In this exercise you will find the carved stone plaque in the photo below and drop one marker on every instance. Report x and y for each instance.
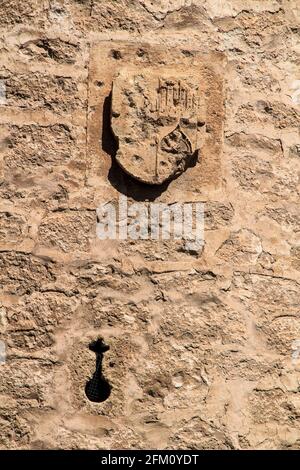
(158, 111)
(158, 119)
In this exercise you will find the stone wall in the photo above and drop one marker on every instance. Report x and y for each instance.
(200, 343)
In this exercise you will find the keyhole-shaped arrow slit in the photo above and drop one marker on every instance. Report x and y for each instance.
(98, 389)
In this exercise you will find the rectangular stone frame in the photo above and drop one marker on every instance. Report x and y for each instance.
(107, 58)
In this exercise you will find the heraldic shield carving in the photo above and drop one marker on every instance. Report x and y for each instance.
(158, 120)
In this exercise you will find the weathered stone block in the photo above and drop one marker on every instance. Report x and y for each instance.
(165, 109)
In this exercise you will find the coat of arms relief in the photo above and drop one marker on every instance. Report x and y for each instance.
(159, 122)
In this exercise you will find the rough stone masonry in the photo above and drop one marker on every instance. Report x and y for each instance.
(160, 101)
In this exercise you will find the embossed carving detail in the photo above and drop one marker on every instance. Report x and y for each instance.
(159, 123)
(176, 99)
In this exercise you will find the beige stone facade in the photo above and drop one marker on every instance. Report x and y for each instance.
(203, 345)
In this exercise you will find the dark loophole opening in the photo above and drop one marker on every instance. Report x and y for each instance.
(98, 389)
